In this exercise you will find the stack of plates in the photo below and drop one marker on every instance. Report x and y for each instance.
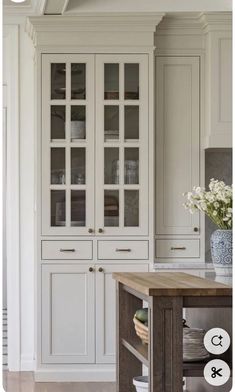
(193, 347)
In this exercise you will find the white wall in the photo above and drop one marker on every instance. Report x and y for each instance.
(27, 198)
(26, 152)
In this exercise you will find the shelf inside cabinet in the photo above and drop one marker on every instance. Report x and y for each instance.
(138, 349)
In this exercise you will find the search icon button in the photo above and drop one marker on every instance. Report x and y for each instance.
(216, 341)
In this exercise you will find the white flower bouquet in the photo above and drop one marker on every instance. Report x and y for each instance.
(216, 203)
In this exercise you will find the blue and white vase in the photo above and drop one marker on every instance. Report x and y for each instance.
(221, 252)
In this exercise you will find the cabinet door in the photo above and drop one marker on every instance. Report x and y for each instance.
(122, 144)
(177, 142)
(106, 308)
(67, 144)
(219, 89)
(68, 324)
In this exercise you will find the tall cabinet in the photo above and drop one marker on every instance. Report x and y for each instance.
(94, 144)
(177, 156)
(94, 184)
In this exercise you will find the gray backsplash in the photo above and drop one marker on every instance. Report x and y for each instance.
(218, 165)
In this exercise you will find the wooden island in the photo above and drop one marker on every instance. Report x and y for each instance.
(166, 293)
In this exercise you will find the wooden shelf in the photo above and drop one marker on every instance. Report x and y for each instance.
(140, 351)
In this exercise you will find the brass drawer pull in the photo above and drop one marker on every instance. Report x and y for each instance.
(67, 250)
(123, 250)
(178, 248)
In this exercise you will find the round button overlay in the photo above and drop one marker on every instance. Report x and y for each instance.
(217, 372)
(216, 341)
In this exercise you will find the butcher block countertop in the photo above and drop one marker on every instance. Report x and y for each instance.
(171, 284)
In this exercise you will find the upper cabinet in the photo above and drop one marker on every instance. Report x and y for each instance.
(122, 144)
(218, 80)
(67, 144)
(177, 142)
(94, 144)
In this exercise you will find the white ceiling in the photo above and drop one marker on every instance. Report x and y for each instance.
(12, 4)
(73, 7)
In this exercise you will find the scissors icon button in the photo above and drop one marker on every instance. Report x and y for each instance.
(216, 372)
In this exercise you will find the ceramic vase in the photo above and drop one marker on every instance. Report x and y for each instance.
(221, 252)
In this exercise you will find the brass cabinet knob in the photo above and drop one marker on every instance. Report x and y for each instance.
(90, 230)
(196, 229)
(91, 269)
(100, 230)
(101, 269)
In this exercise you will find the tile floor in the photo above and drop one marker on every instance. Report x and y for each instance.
(24, 382)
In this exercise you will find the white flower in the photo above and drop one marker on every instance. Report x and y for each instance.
(189, 195)
(210, 197)
(203, 206)
(216, 203)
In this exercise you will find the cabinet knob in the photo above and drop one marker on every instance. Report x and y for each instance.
(100, 230)
(196, 229)
(101, 269)
(91, 269)
(90, 230)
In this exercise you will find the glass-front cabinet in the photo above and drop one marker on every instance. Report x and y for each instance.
(94, 144)
(122, 144)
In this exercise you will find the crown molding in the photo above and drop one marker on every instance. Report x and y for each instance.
(38, 27)
(180, 23)
(216, 21)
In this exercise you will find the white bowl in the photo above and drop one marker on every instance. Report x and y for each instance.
(141, 383)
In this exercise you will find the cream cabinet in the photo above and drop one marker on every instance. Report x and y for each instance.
(177, 143)
(178, 233)
(68, 314)
(78, 312)
(218, 132)
(94, 144)
(67, 144)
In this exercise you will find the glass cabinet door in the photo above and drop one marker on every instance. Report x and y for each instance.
(122, 144)
(68, 144)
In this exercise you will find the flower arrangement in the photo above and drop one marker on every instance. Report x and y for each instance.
(216, 203)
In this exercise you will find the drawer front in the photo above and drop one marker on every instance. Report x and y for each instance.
(66, 250)
(123, 250)
(177, 248)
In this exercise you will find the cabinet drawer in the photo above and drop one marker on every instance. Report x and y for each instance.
(177, 248)
(62, 250)
(123, 250)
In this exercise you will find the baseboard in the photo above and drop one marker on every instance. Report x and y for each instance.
(27, 363)
(79, 374)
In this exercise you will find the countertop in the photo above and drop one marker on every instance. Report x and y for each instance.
(172, 284)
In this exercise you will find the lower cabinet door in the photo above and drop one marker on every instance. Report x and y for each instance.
(106, 308)
(68, 311)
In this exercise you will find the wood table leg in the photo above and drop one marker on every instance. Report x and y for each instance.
(166, 344)
(127, 365)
